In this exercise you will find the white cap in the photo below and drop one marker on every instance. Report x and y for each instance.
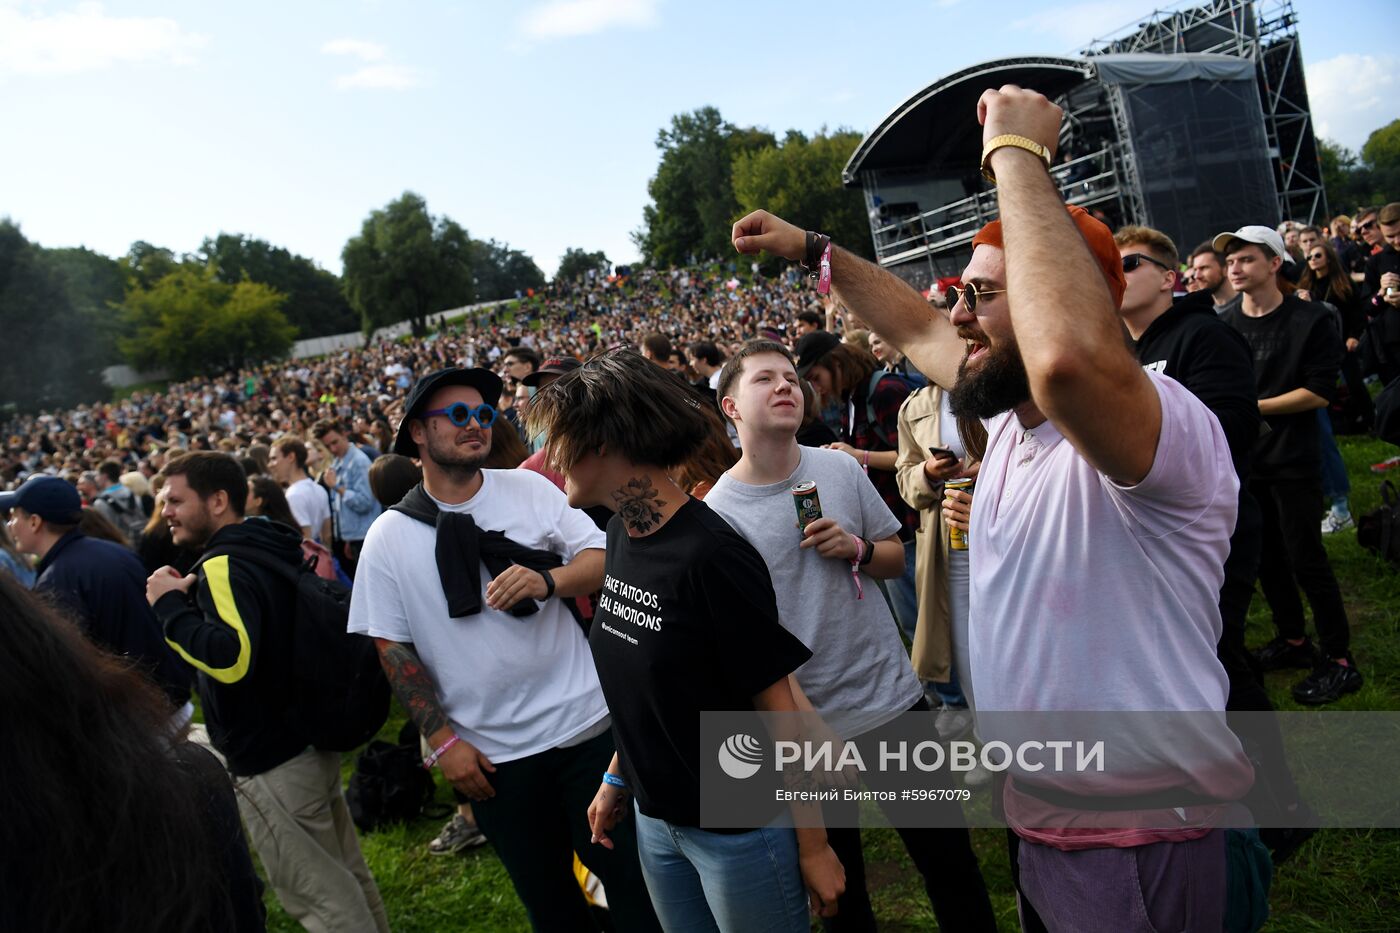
(1260, 236)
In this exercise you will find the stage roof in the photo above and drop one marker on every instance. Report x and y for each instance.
(938, 125)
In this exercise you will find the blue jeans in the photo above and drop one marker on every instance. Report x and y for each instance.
(704, 882)
(1335, 484)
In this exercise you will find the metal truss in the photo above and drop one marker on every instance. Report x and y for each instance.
(1265, 31)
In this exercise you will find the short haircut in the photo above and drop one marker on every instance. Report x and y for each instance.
(707, 351)
(621, 403)
(813, 318)
(291, 446)
(1203, 249)
(325, 426)
(735, 367)
(1310, 229)
(1363, 212)
(208, 472)
(112, 470)
(1390, 214)
(1154, 241)
(657, 345)
(526, 354)
(391, 477)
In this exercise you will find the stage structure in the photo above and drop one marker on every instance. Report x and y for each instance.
(1193, 122)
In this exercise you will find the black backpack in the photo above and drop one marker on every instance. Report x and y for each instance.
(390, 784)
(340, 695)
(127, 515)
(1379, 530)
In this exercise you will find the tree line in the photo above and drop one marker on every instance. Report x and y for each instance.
(712, 172)
(235, 301)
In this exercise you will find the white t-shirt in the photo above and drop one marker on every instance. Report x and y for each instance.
(310, 505)
(511, 686)
(859, 675)
(1086, 595)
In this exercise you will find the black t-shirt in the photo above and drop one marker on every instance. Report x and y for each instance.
(1295, 346)
(687, 623)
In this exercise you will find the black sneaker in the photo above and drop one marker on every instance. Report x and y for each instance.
(1279, 655)
(1328, 683)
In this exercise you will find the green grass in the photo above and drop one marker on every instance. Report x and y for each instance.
(1341, 881)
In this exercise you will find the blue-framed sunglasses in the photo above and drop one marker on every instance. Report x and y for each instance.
(461, 414)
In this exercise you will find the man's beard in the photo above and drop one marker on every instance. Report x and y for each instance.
(457, 464)
(1000, 384)
(196, 534)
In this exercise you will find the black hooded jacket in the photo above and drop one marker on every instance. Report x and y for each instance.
(1191, 344)
(237, 634)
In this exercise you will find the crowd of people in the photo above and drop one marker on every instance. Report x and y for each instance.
(567, 528)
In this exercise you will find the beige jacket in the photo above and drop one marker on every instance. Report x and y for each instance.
(919, 429)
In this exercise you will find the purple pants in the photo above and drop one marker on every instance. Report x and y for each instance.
(1165, 887)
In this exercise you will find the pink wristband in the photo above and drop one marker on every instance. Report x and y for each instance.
(855, 566)
(439, 752)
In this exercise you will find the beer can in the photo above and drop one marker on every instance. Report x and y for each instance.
(957, 538)
(809, 506)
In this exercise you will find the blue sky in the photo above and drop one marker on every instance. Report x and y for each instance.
(532, 122)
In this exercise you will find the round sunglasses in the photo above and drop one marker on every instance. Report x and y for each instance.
(461, 414)
(970, 294)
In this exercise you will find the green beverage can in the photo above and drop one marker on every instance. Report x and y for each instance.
(957, 538)
(809, 506)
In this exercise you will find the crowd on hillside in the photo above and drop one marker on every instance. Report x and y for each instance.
(568, 528)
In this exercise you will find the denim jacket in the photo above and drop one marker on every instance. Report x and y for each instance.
(355, 506)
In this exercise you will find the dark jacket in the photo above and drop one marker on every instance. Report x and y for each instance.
(104, 585)
(1192, 345)
(237, 633)
(1297, 345)
(1209, 357)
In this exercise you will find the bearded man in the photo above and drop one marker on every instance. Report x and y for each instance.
(460, 585)
(1100, 527)
(232, 622)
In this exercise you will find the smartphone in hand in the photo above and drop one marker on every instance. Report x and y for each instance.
(943, 452)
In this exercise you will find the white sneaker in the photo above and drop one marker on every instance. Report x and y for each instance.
(1332, 523)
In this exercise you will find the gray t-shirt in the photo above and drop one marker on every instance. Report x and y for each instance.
(858, 665)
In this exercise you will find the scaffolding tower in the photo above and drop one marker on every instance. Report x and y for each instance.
(1266, 32)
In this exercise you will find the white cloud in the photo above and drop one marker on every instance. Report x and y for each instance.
(1075, 25)
(1351, 95)
(563, 18)
(382, 77)
(87, 39)
(365, 51)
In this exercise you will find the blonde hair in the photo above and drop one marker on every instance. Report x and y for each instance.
(1154, 241)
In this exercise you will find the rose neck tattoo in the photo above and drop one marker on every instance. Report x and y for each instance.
(639, 503)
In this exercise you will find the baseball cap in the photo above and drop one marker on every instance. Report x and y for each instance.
(483, 380)
(1266, 237)
(557, 366)
(812, 347)
(1097, 237)
(50, 497)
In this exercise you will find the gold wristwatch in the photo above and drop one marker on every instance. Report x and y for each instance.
(1010, 139)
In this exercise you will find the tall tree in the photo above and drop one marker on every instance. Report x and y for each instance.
(145, 264)
(799, 179)
(500, 271)
(693, 202)
(406, 264)
(1381, 153)
(190, 323)
(316, 304)
(577, 262)
(53, 331)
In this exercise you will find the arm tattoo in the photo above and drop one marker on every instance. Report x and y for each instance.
(412, 684)
(638, 503)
